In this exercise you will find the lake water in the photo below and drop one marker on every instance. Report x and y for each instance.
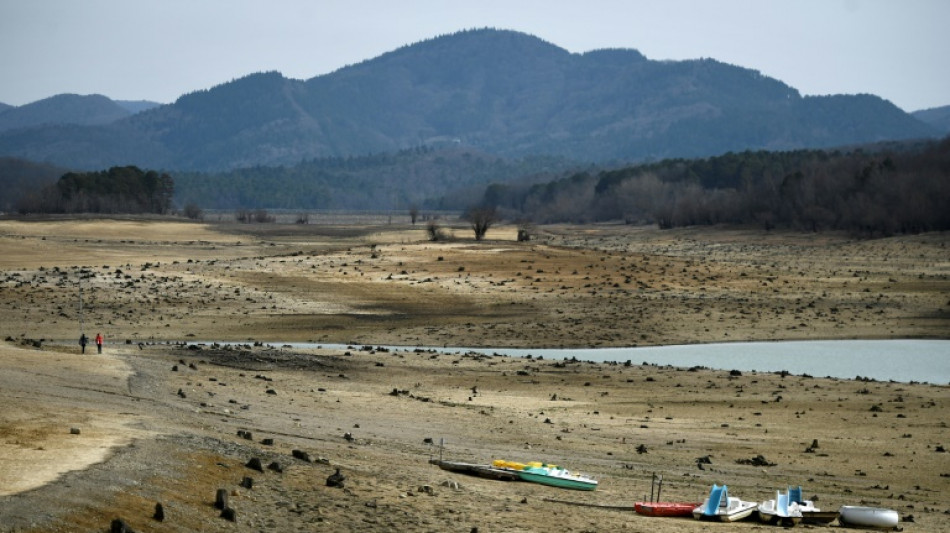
(884, 360)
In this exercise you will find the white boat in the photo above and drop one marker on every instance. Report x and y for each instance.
(782, 510)
(558, 477)
(720, 506)
(868, 517)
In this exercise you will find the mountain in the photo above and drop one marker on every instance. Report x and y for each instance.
(938, 117)
(501, 92)
(91, 110)
(137, 106)
(4, 107)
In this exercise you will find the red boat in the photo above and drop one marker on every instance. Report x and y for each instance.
(665, 508)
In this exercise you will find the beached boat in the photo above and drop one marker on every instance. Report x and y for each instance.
(877, 517)
(780, 511)
(485, 471)
(665, 508)
(810, 513)
(556, 476)
(720, 506)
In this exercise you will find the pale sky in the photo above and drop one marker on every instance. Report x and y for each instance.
(161, 49)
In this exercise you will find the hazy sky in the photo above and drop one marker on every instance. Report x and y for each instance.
(160, 49)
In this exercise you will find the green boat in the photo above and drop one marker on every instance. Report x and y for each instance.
(557, 477)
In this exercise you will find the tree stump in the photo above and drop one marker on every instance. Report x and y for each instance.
(221, 499)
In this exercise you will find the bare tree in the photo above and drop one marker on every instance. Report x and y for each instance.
(194, 212)
(435, 232)
(481, 218)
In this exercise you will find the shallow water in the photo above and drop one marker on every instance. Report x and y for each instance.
(903, 360)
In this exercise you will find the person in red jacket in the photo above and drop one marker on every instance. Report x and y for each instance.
(99, 342)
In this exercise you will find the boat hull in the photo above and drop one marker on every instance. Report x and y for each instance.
(819, 517)
(732, 516)
(485, 471)
(665, 508)
(868, 517)
(780, 511)
(576, 483)
(721, 507)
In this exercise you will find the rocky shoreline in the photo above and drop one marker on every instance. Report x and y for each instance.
(173, 425)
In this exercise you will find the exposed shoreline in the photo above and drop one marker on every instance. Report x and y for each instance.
(193, 417)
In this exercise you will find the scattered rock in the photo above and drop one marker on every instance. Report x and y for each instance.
(275, 466)
(159, 512)
(758, 460)
(302, 455)
(119, 526)
(228, 514)
(247, 482)
(74, 431)
(336, 479)
(255, 464)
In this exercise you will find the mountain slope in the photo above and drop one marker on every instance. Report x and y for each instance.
(500, 92)
(61, 109)
(938, 117)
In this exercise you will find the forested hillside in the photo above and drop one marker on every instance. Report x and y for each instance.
(500, 92)
(938, 117)
(449, 177)
(88, 110)
(20, 178)
(873, 191)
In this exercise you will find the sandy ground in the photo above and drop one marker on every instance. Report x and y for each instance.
(162, 423)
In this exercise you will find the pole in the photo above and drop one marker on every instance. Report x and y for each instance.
(652, 481)
(82, 325)
(659, 488)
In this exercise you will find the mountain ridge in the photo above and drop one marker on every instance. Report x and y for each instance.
(498, 91)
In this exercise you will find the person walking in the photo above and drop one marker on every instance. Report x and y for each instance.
(83, 341)
(99, 342)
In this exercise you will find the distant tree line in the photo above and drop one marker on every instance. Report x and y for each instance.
(871, 191)
(20, 178)
(443, 178)
(116, 190)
